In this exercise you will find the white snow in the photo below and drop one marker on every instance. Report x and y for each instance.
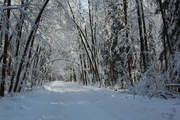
(70, 101)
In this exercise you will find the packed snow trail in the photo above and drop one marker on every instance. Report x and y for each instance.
(70, 101)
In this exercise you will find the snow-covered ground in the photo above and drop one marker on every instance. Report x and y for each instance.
(70, 101)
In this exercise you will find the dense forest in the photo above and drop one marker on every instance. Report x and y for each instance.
(121, 44)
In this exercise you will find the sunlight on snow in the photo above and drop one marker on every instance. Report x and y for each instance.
(58, 86)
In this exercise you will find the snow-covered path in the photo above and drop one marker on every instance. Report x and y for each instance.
(70, 101)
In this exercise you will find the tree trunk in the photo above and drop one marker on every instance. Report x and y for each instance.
(84, 41)
(142, 57)
(145, 34)
(5, 49)
(18, 39)
(165, 27)
(129, 62)
(30, 38)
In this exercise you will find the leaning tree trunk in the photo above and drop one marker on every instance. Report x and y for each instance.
(87, 47)
(165, 27)
(30, 38)
(19, 27)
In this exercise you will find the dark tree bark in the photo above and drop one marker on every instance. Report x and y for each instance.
(18, 39)
(125, 3)
(5, 49)
(87, 47)
(142, 57)
(30, 38)
(165, 27)
(145, 33)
